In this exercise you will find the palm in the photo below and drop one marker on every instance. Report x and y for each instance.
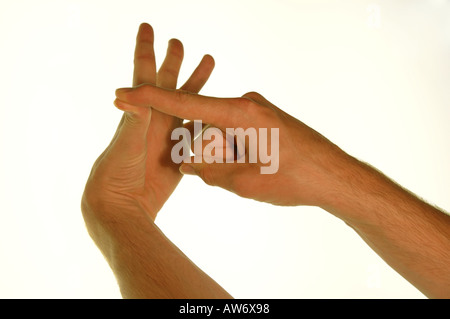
(161, 174)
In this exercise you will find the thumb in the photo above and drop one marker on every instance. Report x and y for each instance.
(212, 174)
(233, 177)
(131, 136)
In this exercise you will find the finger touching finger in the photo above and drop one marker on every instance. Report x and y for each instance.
(241, 179)
(220, 112)
(130, 139)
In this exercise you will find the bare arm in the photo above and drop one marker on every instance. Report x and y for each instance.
(412, 236)
(145, 263)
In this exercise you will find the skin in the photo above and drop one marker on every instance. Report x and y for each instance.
(132, 179)
(409, 234)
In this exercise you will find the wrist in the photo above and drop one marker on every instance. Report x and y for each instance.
(101, 215)
(365, 198)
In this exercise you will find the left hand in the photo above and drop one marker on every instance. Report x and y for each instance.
(135, 173)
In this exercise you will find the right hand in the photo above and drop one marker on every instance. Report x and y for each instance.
(310, 166)
(134, 174)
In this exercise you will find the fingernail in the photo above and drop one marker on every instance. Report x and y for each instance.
(118, 104)
(123, 90)
(129, 108)
(187, 170)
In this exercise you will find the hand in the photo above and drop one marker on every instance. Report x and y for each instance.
(134, 173)
(309, 164)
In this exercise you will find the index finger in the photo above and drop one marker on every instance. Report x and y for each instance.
(220, 112)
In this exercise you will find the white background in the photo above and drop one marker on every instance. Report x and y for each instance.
(372, 76)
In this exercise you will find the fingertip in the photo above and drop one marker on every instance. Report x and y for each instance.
(175, 47)
(122, 105)
(145, 27)
(145, 33)
(132, 110)
(121, 91)
(207, 58)
(175, 41)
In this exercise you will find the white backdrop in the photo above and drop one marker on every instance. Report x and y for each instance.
(372, 76)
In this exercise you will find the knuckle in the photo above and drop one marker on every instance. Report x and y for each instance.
(168, 71)
(252, 95)
(148, 88)
(207, 176)
(182, 96)
(255, 110)
(144, 56)
(267, 113)
(141, 92)
(239, 186)
(246, 104)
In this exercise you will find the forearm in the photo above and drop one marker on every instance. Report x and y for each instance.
(146, 264)
(412, 236)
